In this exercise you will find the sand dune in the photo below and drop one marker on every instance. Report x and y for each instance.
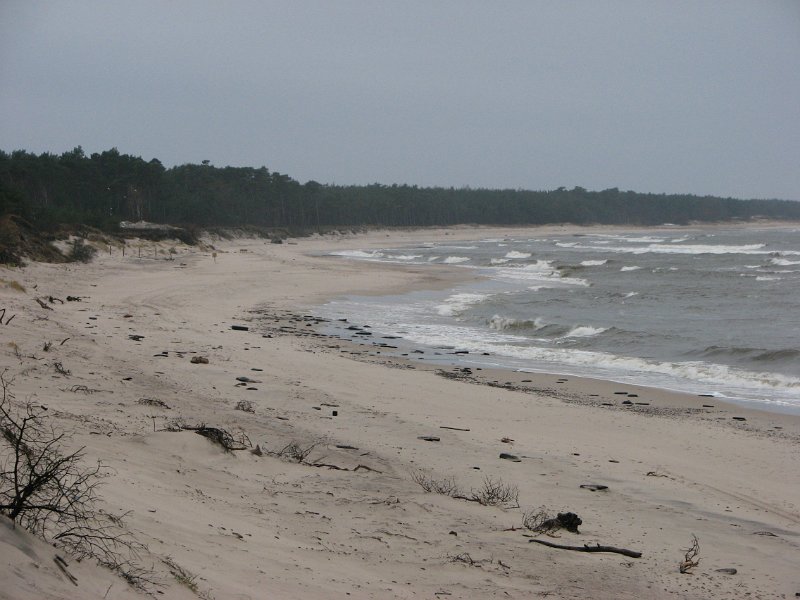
(244, 526)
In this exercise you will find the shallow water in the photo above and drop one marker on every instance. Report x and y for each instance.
(703, 311)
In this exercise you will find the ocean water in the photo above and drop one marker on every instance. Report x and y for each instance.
(702, 311)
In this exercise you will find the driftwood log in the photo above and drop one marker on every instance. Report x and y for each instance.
(588, 548)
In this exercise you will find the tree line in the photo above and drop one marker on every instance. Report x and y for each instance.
(49, 190)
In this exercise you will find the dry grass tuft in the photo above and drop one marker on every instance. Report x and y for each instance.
(14, 285)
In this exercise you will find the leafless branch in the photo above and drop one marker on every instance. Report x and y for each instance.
(53, 495)
(690, 560)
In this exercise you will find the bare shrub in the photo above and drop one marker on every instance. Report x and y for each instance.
(53, 495)
(690, 558)
(447, 487)
(153, 402)
(223, 437)
(295, 452)
(494, 492)
(540, 521)
(245, 406)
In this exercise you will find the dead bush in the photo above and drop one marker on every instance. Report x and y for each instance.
(494, 492)
(690, 557)
(50, 492)
(245, 406)
(447, 487)
(294, 452)
(541, 521)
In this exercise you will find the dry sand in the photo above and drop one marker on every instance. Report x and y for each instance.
(244, 526)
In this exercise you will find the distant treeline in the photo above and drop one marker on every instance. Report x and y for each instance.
(103, 189)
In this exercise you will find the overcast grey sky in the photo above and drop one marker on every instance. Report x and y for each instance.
(650, 95)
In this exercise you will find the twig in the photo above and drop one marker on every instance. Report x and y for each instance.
(61, 564)
(690, 560)
(42, 304)
(588, 548)
(366, 468)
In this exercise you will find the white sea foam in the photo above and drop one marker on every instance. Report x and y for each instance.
(593, 263)
(585, 331)
(515, 254)
(458, 303)
(375, 254)
(678, 375)
(541, 271)
(404, 256)
(679, 249)
(631, 268)
(500, 261)
(499, 323)
(768, 278)
(647, 239)
(454, 260)
(782, 262)
(631, 294)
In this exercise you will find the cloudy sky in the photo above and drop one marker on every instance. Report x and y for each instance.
(654, 96)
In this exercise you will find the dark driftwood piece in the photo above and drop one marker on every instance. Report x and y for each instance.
(338, 468)
(588, 548)
(42, 304)
(453, 428)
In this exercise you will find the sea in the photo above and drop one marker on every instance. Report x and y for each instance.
(704, 311)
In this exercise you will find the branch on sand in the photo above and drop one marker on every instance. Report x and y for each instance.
(588, 548)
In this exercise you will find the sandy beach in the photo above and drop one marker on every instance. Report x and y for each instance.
(349, 521)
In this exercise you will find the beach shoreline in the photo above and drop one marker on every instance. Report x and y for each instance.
(350, 522)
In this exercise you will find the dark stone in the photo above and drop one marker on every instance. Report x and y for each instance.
(429, 438)
(738, 418)
(511, 457)
(728, 571)
(594, 487)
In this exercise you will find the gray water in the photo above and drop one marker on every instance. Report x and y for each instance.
(703, 311)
